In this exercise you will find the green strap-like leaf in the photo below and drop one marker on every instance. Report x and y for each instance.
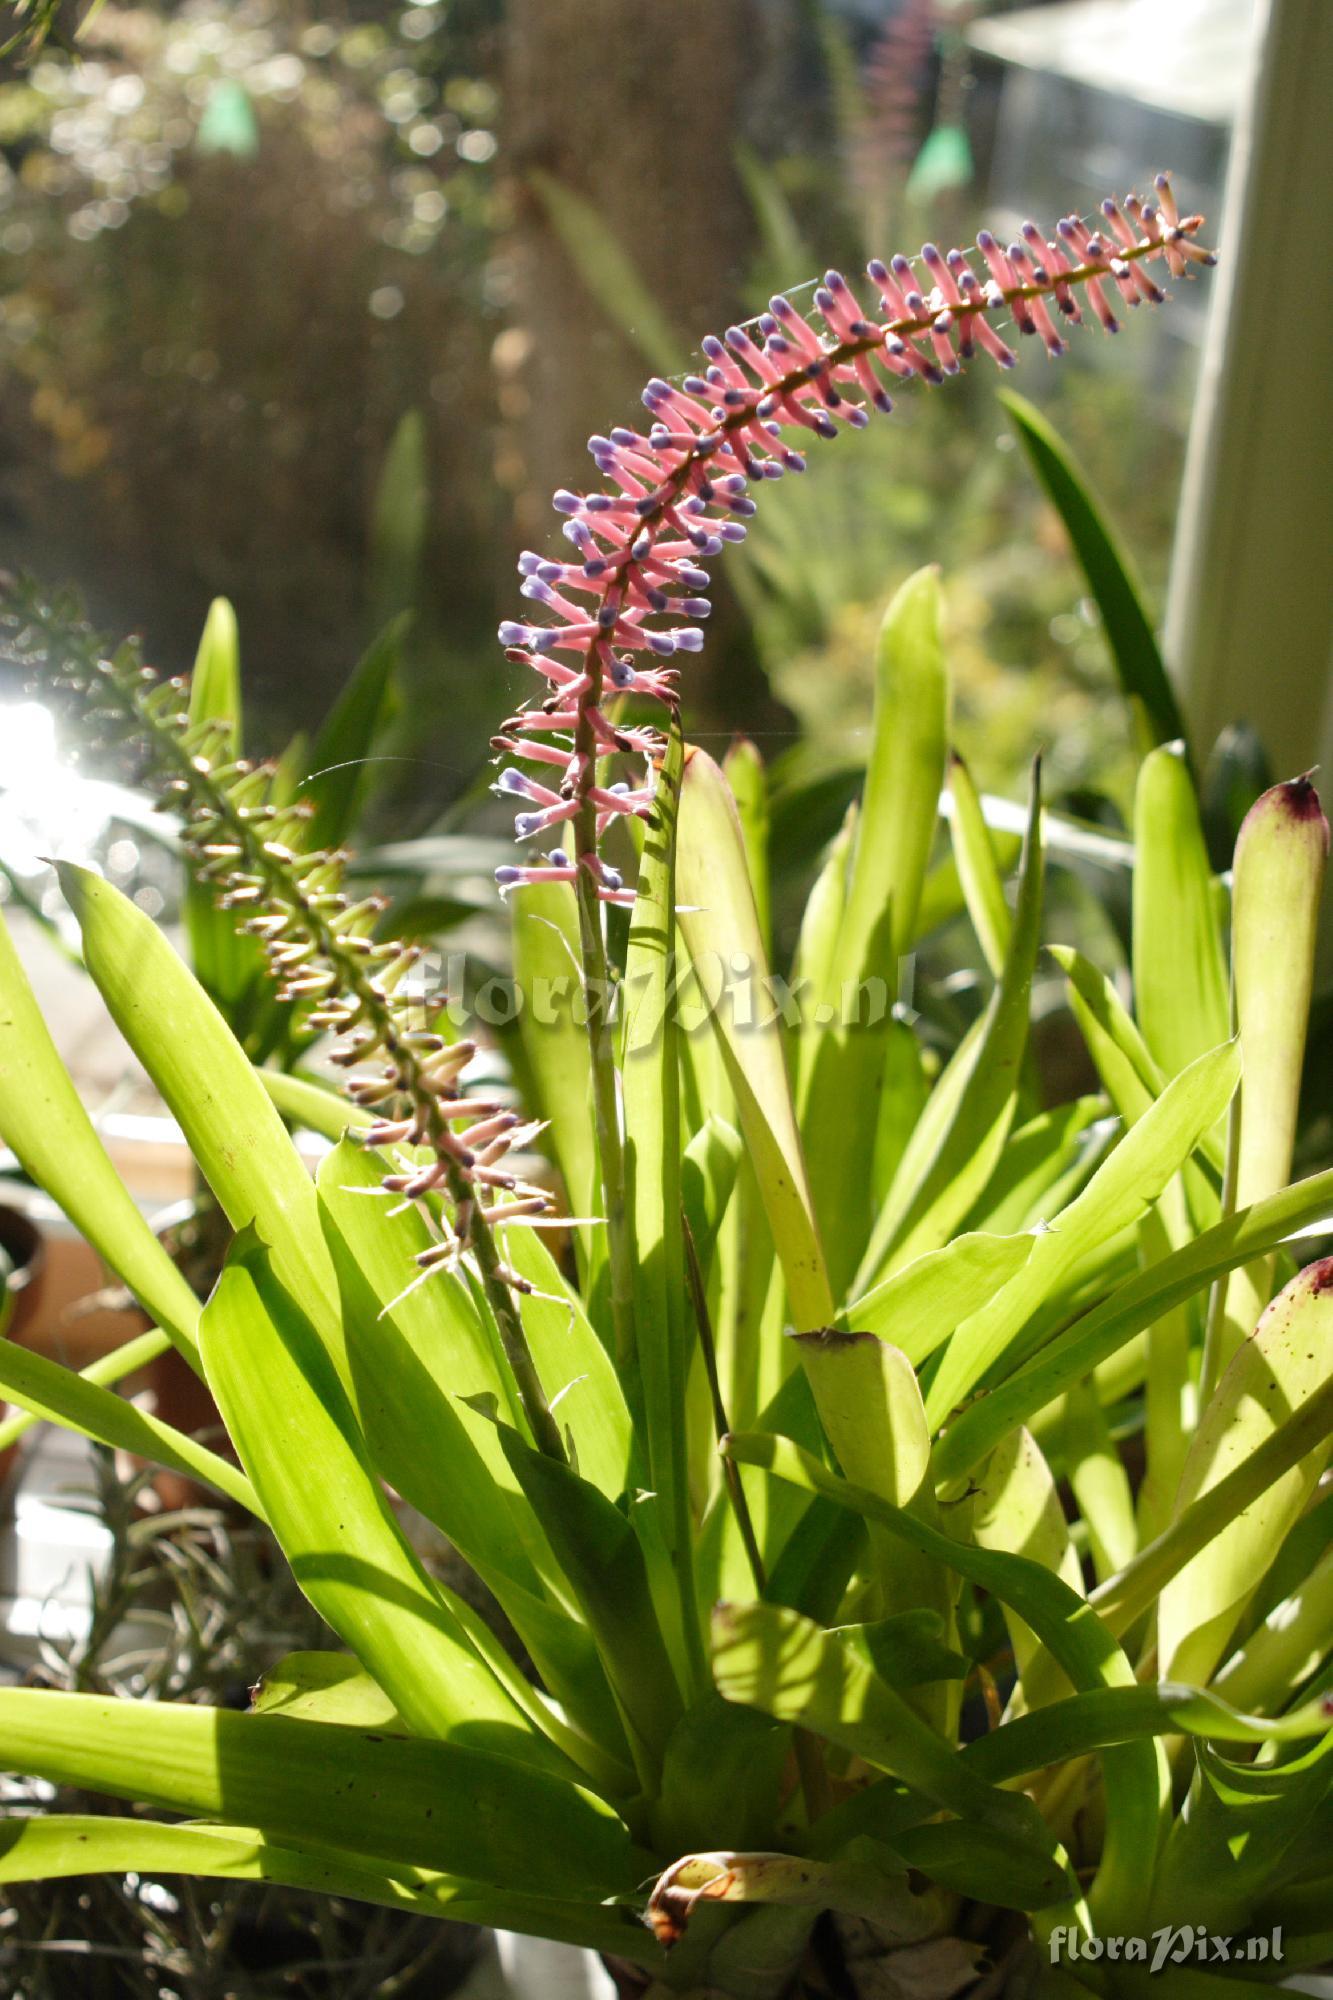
(297, 1437)
(1285, 1362)
(767, 1657)
(546, 973)
(230, 1125)
(339, 770)
(933, 1192)
(650, 1085)
(894, 833)
(44, 1123)
(921, 1304)
(1130, 1308)
(1063, 1730)
(47, 1846)
(1129, 632)
(46, 1390)
(716, 913)
(1180, 973)
(1137, 1171)
(431, 1805)
(124, 1360)
(1068, 1627)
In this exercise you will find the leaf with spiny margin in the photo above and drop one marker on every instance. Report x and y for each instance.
(297, 1436)
(1119, 598)
(1140, 1167)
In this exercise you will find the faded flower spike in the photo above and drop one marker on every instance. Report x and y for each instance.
(628, 599)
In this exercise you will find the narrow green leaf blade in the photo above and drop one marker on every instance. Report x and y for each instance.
(1288, 1359)
(287, 1413)
(716, 914)
(427, 1804)
(1129, 633)
(1180, 975)
(209, 1086)
(339, 771)
(46, 1126)
(1140, 1167)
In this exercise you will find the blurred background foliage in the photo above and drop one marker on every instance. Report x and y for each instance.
(312, 305)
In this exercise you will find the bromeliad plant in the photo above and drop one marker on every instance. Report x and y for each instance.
(908, 1495)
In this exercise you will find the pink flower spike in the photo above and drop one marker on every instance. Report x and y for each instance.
(1005, 279)
(802, 336)
(1074, 233)
(1166, 200)
(538, 753)
(1143, 284)
(528, 825)
(1029, 274)
(980, 326)
(893, 302)
(941, 275)
(1056, 262)
(870, 382)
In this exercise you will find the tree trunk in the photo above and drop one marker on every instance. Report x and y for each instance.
(635, 110)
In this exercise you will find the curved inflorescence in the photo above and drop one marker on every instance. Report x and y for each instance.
(251, 846)
(673, 497)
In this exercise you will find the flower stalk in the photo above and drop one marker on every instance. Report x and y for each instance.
(321, 948)
(673, 498)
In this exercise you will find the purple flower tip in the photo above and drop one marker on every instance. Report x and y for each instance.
(507, 876)
(661, 643)
(558, 858)
(877, 269)
(566, 502)
(511, 634)
(689, 639)
(694, 607)
(526, 824)
(509, 780)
